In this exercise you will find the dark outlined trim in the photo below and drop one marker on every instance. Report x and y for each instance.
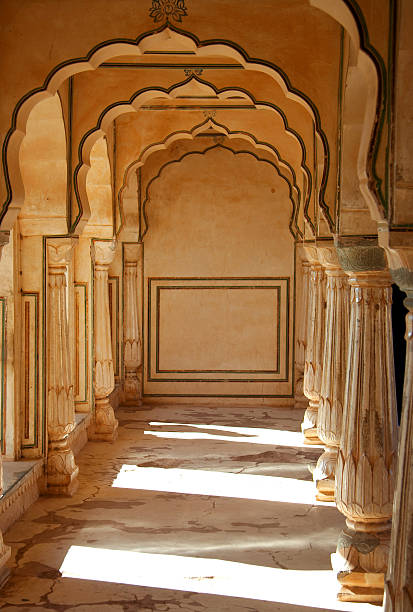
(219, 380)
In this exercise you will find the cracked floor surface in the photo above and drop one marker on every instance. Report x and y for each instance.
(211, 510)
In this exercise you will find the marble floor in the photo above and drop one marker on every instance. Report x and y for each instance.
(192, 508)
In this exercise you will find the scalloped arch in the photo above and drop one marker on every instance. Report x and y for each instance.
(341, 11)
(295, 192)
(142, 97)
(204, 152)
(116, 48)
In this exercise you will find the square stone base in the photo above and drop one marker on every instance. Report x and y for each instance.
(62, 484)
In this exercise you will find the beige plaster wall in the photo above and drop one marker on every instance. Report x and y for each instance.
(217, 257)
(44, 171)
(99, 192)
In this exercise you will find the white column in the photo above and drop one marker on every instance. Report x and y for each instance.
(333, 377)
(314, 348)
(132, 346)
(367, 457)
(61, 468)
(106, 425)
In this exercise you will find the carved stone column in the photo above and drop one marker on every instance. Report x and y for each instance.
(399, 580)
(106, 425)
(367, 456)
(315, 344)
(5, 551)
(132, 346)
(61, 468)
(333, 377)
(301, 317)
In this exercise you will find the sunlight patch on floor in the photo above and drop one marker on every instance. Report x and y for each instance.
(314, 588)
(251, 435)
(220, 484)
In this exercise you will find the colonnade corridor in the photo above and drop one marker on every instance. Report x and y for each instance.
(191, 508)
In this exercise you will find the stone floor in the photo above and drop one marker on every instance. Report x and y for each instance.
(190, 509)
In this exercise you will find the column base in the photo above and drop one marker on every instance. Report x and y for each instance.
(62, 471)
(105, 426)
(102, 436)
(360, 587)
(131, 402)
(309, 425)
(132, 389)
(361, 564)
(311, 436)
(327, 494)
(324, 475)
(66, 488)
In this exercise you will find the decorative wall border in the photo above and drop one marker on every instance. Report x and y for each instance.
(114, 302)
(81, 319)
(210, 286)
(30, 353)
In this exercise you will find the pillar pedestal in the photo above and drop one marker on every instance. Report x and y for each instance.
(61, 468)
(105, 426)
(367, 455)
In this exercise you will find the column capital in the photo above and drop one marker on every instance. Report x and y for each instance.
(328, 257)
(399, 251)
(59, 251)
(362, 258)
(131, 252)
(311, 253)
(103, 252)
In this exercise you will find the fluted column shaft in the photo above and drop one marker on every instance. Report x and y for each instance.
(367, 455)
(302, 316)
(132, 346)
(330, 412)
(106, 424)
(5, 551)
(61, 468)
(314, 348)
